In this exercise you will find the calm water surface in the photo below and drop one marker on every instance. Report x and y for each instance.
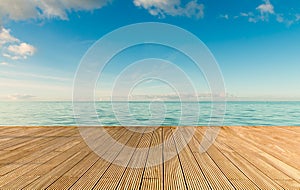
(141, 113)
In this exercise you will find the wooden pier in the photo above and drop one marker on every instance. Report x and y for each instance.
(241, 158)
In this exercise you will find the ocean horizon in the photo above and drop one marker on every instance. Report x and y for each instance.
(238, 113)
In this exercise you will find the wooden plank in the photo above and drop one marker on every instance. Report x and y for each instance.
(272, 140)
(43, 169)
(26, 148)
(111, 178)
(258, 158)
(253, 173)
(152, 177)
(172, 167)
(9, 132)
(42, 136)
(91, 177)
(22, 137)
(236, 177)
(55, 173)
(133, 174)
(73, 175)
(33, 159)
(58, 158)
(25, 168)
(18, 131)
(194, 176)
(214, 175)
(66, 180)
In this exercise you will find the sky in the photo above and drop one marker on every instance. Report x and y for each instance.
(255, 43)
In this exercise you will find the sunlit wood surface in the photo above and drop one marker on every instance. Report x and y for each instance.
(241, 158)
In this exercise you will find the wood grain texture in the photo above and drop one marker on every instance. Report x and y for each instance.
(58, 158)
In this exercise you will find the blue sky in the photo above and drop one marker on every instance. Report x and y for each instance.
(255, 42)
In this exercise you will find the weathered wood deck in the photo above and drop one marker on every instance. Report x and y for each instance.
(241, 158)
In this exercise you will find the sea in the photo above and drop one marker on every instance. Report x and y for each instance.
(234, 113)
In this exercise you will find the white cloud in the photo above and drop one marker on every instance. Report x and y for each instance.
(41, 9)
(253, 20)
(266, 11)
(162, 8)
(20, 96)
(262, 13)
(13, 48)
(244, 14)
(21, 51)
(10, 56)
(7, 74)
(4, 63)
(247, 14)
(288, 20)
(225, 16)
(250, 16)
(5, 37)
(266, 8)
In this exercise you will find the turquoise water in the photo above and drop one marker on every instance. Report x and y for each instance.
(237, 113)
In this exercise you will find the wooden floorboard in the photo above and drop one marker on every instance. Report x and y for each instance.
(153, 174)
(59, 158)
(172, 167)
(135, 172)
